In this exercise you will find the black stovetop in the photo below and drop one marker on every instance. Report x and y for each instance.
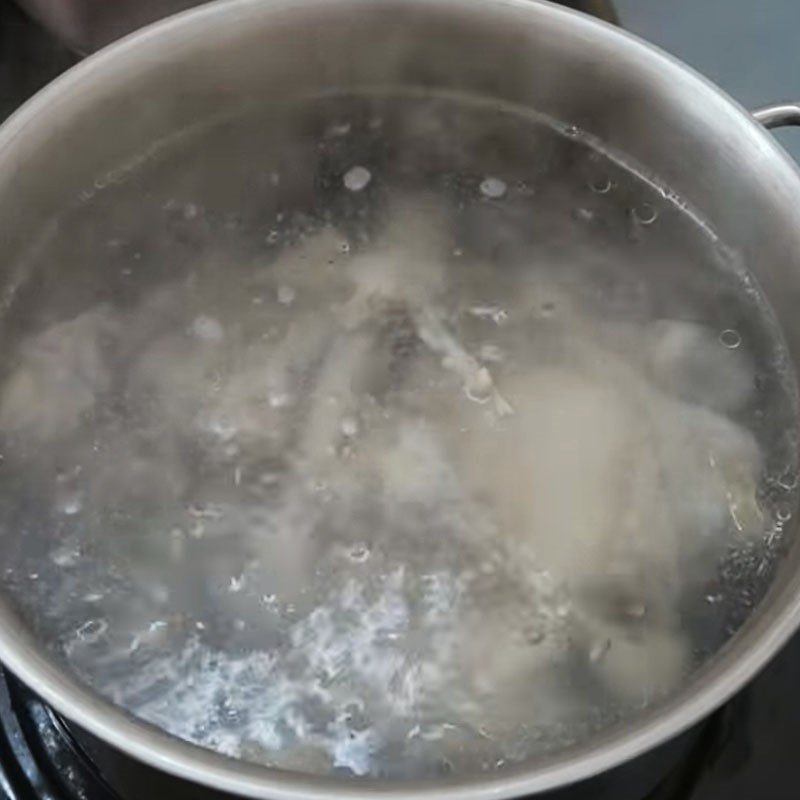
(744, 751)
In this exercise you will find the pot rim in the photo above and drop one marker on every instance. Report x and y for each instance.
(738, 662)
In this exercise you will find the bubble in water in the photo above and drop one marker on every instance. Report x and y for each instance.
(359, 553)
(223, 429)
(491, 352)
(228, 712)
(154, 634)
(279, 399)
(572, 130)
(272, 237)
(67, 475)
(497, 315)
(344, 247)
(635, 609)
(71, 504)
(349, 426)
(236, 583)
(357, 178)
(208, 329)
(92, 630)
(205, 512)
(269, 478)
(598, 650)
(286, 295)
(479, 389)
(493, 187)
(783, 513)
(645, 214)
(340, 129)
(601, 185)
(583, 214)
(730, 338)
(66, 556)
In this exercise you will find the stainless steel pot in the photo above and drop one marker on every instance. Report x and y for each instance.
(628, 94)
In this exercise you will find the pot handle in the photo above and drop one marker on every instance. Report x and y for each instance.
(778, 115)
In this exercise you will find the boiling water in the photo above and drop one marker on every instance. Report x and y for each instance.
(388, 436)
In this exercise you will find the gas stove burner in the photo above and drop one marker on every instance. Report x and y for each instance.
(39, 758)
